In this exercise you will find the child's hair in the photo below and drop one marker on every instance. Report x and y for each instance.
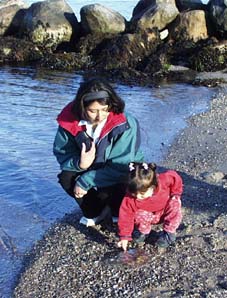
(141, 177)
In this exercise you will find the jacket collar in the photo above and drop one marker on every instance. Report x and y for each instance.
(67, 120)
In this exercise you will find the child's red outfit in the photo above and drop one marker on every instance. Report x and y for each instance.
(164, 206)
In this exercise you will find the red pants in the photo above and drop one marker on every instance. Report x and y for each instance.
(170, 217)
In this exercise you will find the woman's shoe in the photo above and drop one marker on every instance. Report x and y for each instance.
(89, 222)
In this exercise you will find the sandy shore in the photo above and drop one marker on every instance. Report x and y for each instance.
(74, 261)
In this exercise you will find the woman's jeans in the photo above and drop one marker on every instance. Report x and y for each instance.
(95, 200)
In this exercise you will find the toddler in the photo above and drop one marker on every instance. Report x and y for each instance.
(151, 199)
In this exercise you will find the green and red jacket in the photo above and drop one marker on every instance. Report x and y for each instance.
(117, 146)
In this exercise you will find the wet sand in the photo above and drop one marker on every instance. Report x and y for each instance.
(74, 261)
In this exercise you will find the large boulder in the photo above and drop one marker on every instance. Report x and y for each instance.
(153, 14)
(5, 3)
(191, 25)
(50, 23)
(218, 13)
(96, 18)
(11, 13)
(141, 6)
(191, 5)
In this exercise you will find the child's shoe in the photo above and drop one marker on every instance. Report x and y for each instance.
(139, 237)
(165, 239)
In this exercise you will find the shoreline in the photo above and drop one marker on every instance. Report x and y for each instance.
(74, 261)
(204, 140)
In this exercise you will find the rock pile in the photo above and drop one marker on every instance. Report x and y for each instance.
(159, 34)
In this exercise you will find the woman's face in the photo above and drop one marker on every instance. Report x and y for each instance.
(96, 112)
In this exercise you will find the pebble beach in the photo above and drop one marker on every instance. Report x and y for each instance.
(74, 261)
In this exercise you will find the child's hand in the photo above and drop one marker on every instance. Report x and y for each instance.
(123, 244)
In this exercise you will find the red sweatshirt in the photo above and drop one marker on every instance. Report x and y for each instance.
(169, 185)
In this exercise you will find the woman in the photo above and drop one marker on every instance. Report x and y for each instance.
(94, 143)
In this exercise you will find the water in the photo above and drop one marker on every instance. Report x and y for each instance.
(30, 197)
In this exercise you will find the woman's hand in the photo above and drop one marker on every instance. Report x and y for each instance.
(79, 192)
(123, 244)
(87, 158)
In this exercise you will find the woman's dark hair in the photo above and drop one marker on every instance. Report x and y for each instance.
(141, 177)
(114, 102)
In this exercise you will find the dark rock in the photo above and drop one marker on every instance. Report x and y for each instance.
(92, 44)
(183, 5)
(19, 50)
(64, 61)
(11, 14)
(209, 58)
(128, 50)
(142, 6)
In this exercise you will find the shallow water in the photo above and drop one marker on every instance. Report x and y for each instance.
(30, 197)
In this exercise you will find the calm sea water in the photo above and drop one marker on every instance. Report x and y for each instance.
(30, 99)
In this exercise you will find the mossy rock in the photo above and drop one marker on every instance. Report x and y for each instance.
(64, 61)
(209, 59)
(14, 50)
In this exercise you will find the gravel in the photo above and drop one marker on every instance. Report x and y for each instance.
(74, 261)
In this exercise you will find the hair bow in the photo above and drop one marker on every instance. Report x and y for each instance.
(145, 166)
(131, 166)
